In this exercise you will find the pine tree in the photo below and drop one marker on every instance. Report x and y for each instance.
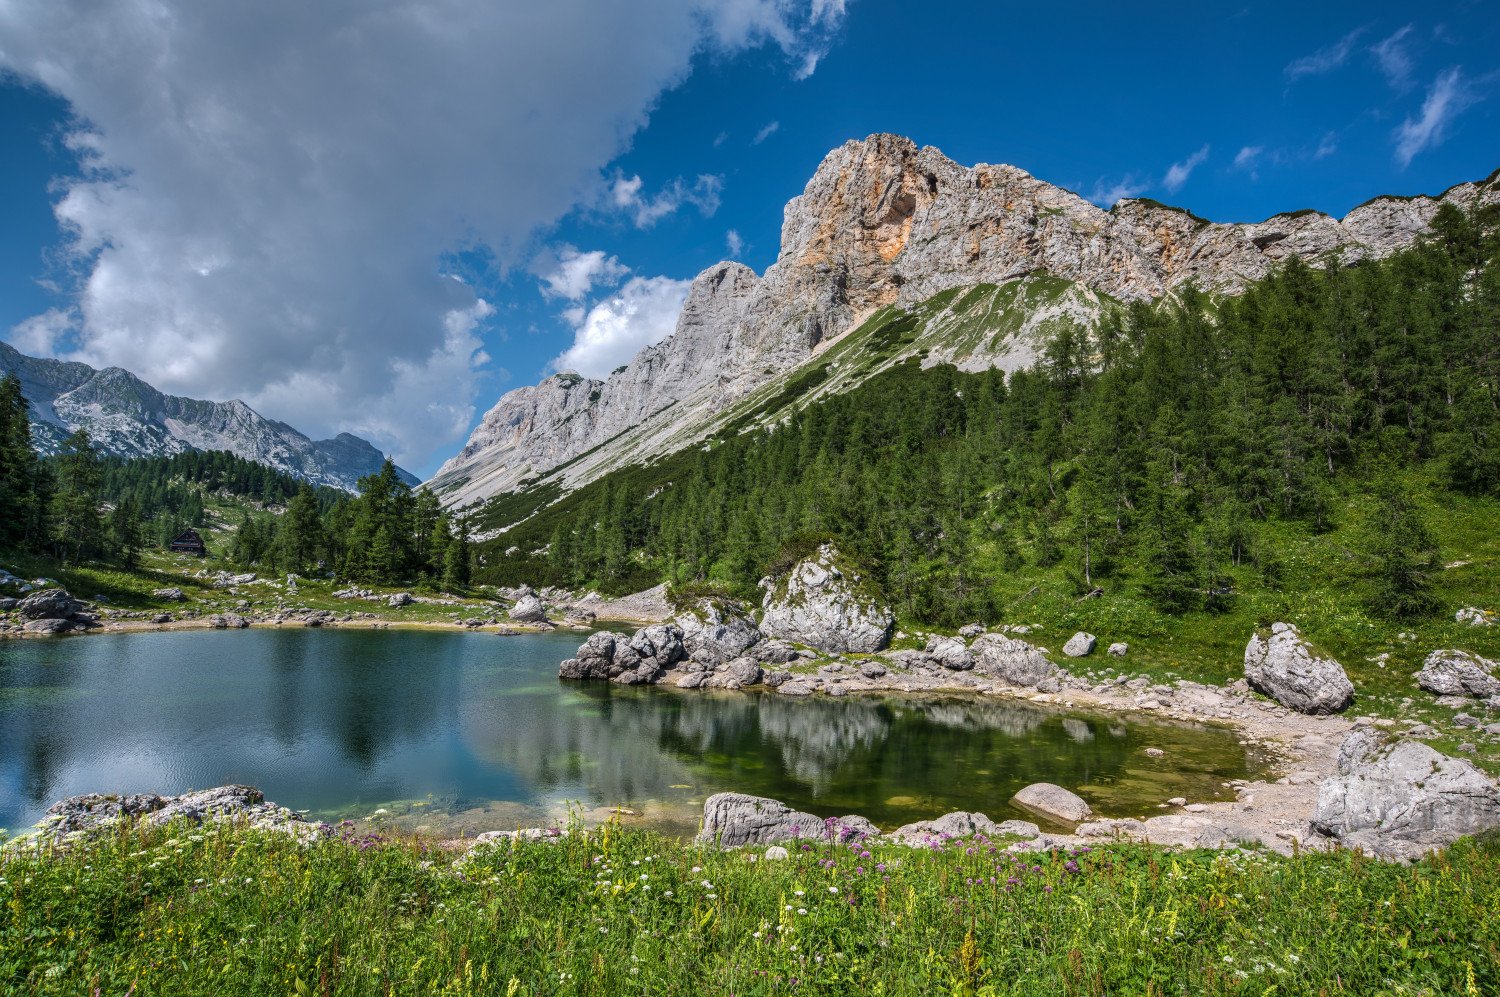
(1403, 551)
(79, 527)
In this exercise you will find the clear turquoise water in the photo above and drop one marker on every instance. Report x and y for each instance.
(466, 732)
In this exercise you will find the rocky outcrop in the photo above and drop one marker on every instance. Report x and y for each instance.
(1403, 798)
(49, 604)
(399, 599)
(1458, 673)
(127, 417)
(734, 819)
(961, 824)
(1053, 801)
(1283, 666)
(950, 653)
(81, 816)
(825, 603)
(884, 222)
(1011, 660)
(643, 659)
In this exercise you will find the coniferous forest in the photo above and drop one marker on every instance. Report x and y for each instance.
(1163, 453)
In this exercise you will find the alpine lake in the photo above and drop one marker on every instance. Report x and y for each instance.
(453, 733)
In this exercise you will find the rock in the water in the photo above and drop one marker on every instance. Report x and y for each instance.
(83, 815)
(825, 603)
(659, 645)
(951, 653)
(528, 609)
(49, 604)
(961, 825)
(1285, 668)
(1118, 650)
(1053, 801)
(1458, 673)
(1386, 794)
(1080, 645)
(1011, 660)
(734, 819)
(48, 625)
(1474, 617)
(716, 630)
(399, 599)
(169, 594)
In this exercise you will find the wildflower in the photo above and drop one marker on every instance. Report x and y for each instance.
(801, 910)
(833, 889)
(797, 892)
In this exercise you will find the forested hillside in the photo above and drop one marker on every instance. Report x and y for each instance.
(1181, 453)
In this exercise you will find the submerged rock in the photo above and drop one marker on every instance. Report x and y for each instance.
(1284, 667)
(734, 819)
(825, 603)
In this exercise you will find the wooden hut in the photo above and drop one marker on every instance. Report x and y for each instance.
(188, 542)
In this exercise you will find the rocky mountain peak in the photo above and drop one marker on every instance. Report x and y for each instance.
(884, 222)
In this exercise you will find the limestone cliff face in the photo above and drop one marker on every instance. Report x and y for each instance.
(883, 222)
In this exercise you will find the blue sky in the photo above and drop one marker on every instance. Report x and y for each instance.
(388, 258)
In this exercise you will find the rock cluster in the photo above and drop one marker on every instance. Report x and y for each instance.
(1283, 666)
(52, 611)
(80, 816)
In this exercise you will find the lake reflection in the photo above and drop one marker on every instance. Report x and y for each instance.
(479, 732)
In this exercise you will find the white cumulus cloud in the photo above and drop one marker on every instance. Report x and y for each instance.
(625, 196)
(734, 243)
(642, 312)
(572, 274)
(270, 190)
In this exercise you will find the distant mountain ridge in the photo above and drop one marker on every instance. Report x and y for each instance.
(884, 224)
(127, 417)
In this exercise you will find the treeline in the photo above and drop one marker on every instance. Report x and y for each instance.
(1155, 451)
(386, 534)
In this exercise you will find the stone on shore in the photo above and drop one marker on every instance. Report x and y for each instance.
(80, 816)
(716, 631)
(1284, 667)
(825, 603)
(49, 604)
(399, 599)
(961, 824)
(1011, 660)
(951, 653)
(528, 609)
(734, 819)
(169, 594)
(1053, 801)
(1458, 673)
(1400, 799)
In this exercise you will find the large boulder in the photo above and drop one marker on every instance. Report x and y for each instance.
(49, 604)
(594, 661)
(399, 599)
(734, 819)
(1011, 660)
(169, 594)
(951, 653)
(659, 645)
(47, 626)
(1053, 801)
(1458, 673)
(1284, 667)
(716, 630)
(735, 674)
(1403, 796)
(528, 609)
(826, 604)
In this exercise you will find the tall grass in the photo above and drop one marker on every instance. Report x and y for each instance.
(230, 910)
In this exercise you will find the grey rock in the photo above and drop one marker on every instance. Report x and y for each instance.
(873, 670)
(1011, 660)
(774, 652)
(48, 604)
(595, 659)
(971, 630)
(169, 594)
(716, 630)
(162, 618)
(528, 609)
(951, 653)
(578, 617)
(796, 686)
(1458, 673)
(399, 599)
(826, 604)
(961, 824)
(1404, 790)
(659, 645)
(80, 816)
(1474, 617)
(1118, 650)
(736, 674)
(233, 621)
(47, 626)
(1283, 666)
(1080, 645)
(7, 604)
(1053, 801)
(734, 819)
